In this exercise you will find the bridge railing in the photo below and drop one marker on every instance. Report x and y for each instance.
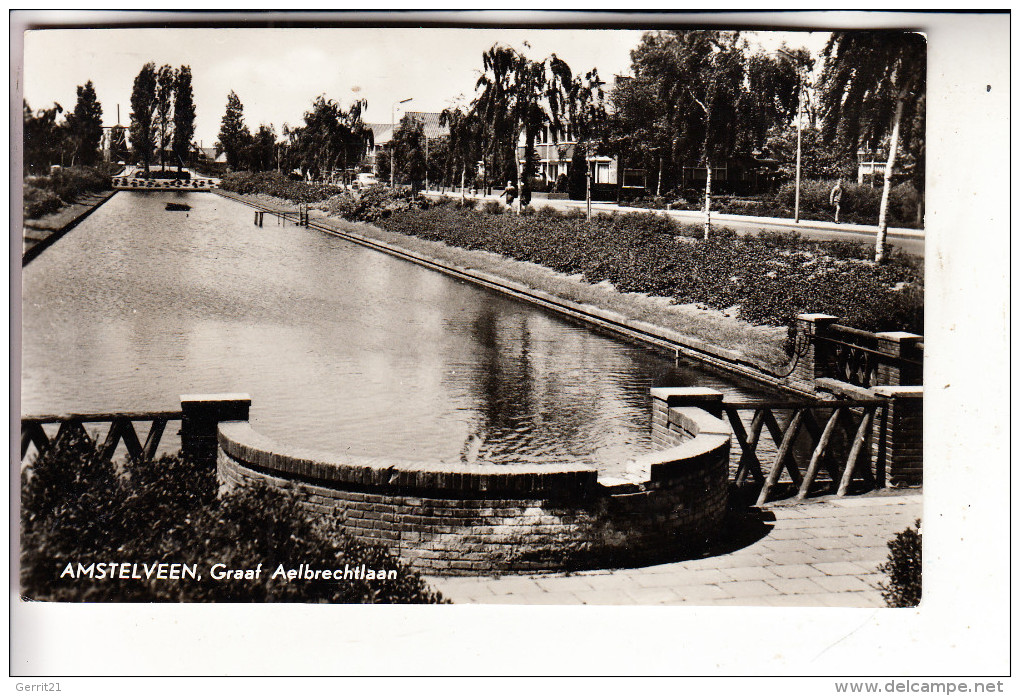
(828, 350)
(809, 445)
(838, 437)
(199, 416)
(119, 427)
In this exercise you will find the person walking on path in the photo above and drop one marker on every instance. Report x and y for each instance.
(510, 193)
(835, 196)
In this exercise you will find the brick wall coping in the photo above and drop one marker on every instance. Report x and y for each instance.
(709, 435)
(452, 479)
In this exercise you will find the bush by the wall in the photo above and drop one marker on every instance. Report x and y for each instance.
(903, 569)
(78, 507)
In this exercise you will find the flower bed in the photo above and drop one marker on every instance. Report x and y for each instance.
(770, 277)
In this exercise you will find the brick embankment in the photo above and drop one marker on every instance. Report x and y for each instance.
(818, 554)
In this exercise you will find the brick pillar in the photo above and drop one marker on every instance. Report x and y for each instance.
(664, 398)
(815, 360)
(898, 344)
(202, 414)
(900, 439)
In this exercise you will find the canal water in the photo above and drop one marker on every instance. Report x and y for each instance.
(341, 348)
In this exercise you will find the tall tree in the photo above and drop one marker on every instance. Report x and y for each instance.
(465, 142)
(184, 116)
(872, 83)
(408, 150)
(143, 103)
(166, 80)
(43, 138)
(719, 98)
(234, 134)
(85, 126)
(519, 97)
(332, 138)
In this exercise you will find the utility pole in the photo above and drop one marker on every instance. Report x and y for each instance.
(393, 130)
(587, 186)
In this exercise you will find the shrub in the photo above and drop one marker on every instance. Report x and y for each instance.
(39, 202)
(493, 208)
(278, 185)
(903, 569)
(859, 203)
(77, 506)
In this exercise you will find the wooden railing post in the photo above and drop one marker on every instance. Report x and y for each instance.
(201, 414)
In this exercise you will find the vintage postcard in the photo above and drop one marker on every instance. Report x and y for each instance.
(482, 309)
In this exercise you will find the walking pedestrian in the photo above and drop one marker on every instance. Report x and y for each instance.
(510, 193)
(835, 196)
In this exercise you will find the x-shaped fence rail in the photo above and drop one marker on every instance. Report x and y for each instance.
(121, 428)
(839, 446)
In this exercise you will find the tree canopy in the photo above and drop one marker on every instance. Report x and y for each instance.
(143, 103)
(234, 134)
(184, 115)
(85, 126)
(872, 83)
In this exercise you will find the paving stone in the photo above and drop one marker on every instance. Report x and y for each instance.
(787, 545)
(683, 578)
(564, 584)
(796, 586)
(841, 583)
(551, 598)
(840, 568)
(747, 588)
(700, 592)
(515, 586)
(851, 599)
(750, 573)
(875, 580)
(792, 558)
(652, 595)
(606, 597)
(796, 571)
(791, 533)
(831, 555)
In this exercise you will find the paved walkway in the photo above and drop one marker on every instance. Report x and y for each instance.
(821, 553)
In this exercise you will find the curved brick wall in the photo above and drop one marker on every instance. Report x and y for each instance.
(470, 519)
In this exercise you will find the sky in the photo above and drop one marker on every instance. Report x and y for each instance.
(277, 73)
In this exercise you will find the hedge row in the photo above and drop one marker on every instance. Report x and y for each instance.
(277, 184)
(859, 204)
(770, 277)
(77, 507)
(45, 194)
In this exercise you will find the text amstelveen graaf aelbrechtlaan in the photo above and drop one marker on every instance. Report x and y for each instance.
(183, 571)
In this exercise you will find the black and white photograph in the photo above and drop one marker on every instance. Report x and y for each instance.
(322, 310)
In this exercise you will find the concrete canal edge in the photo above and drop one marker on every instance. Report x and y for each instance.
(644, 333)
(456, 519)
(55, 234)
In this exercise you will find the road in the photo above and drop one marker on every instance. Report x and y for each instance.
(910, 241)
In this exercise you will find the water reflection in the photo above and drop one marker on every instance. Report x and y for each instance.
(340, 347)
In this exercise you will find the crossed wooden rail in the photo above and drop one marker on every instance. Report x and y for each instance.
(856, 415)
(121, 428)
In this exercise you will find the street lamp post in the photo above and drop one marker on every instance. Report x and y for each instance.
(393, 130)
